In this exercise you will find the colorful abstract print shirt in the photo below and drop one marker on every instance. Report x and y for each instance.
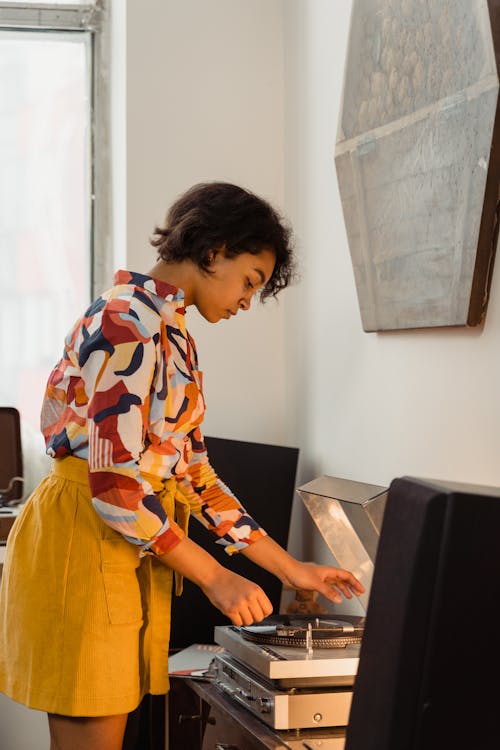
(127, 397)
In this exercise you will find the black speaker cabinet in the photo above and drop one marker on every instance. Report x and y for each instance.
(262, 477)
(430, 657)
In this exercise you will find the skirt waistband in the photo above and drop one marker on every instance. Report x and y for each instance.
(71, 468)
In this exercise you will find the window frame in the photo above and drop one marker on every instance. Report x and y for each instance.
(90, 17)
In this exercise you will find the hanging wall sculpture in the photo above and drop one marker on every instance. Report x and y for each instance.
(418, 159)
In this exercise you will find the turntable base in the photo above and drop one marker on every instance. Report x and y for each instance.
(282, 709)
(292, 667)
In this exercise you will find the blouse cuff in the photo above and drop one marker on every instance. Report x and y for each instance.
(164, 542)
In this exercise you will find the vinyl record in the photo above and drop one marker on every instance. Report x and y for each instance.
(299, 631)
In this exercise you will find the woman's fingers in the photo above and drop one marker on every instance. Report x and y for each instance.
(346, 582)
(330, 593)
(265, 604)
(345, 590)
(252, 610)
(243, 601)
(236, 619)
(246, 615)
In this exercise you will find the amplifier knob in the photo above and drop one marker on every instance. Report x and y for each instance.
(317, 718)
(265, 705)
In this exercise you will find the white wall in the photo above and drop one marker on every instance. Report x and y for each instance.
(369, 406)
(250, 92)
(205, 92)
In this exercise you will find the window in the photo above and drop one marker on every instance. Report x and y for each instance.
(52, 188)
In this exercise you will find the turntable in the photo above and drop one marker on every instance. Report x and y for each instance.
(292, 671)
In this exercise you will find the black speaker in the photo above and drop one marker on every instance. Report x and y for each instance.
(262, 477)
(430, 649)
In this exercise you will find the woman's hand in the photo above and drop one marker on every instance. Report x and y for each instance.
(327, 580)
(243, 601)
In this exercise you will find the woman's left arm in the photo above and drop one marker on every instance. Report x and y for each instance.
(326, 579)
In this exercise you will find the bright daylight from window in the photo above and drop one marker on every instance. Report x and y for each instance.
(60, 2)
(44, 206)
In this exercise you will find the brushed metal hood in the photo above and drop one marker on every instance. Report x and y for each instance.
(348, 516)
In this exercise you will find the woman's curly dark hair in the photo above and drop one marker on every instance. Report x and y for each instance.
(212, 215)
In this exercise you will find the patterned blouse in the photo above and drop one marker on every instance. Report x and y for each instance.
(127, 397)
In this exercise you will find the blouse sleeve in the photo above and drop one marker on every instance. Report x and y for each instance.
(118, 364)
(214, 505)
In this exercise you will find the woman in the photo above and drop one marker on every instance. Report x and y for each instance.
(86, 588)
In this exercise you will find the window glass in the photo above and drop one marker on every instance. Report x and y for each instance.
(45, 196)
(54, 2)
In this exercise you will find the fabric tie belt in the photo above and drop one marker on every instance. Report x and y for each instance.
(174, 502)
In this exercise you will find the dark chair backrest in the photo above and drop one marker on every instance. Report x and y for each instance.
(11, 457)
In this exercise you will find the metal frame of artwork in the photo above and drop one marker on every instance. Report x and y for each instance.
(418, 159)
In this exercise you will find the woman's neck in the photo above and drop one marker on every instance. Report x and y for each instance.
(178, 273)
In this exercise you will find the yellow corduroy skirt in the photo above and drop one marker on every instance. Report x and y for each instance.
(84, 621)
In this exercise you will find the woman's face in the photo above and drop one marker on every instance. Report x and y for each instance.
(231, 283)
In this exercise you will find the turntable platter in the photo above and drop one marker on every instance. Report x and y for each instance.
(292, 631)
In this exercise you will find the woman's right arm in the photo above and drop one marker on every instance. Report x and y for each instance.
(243, 601)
